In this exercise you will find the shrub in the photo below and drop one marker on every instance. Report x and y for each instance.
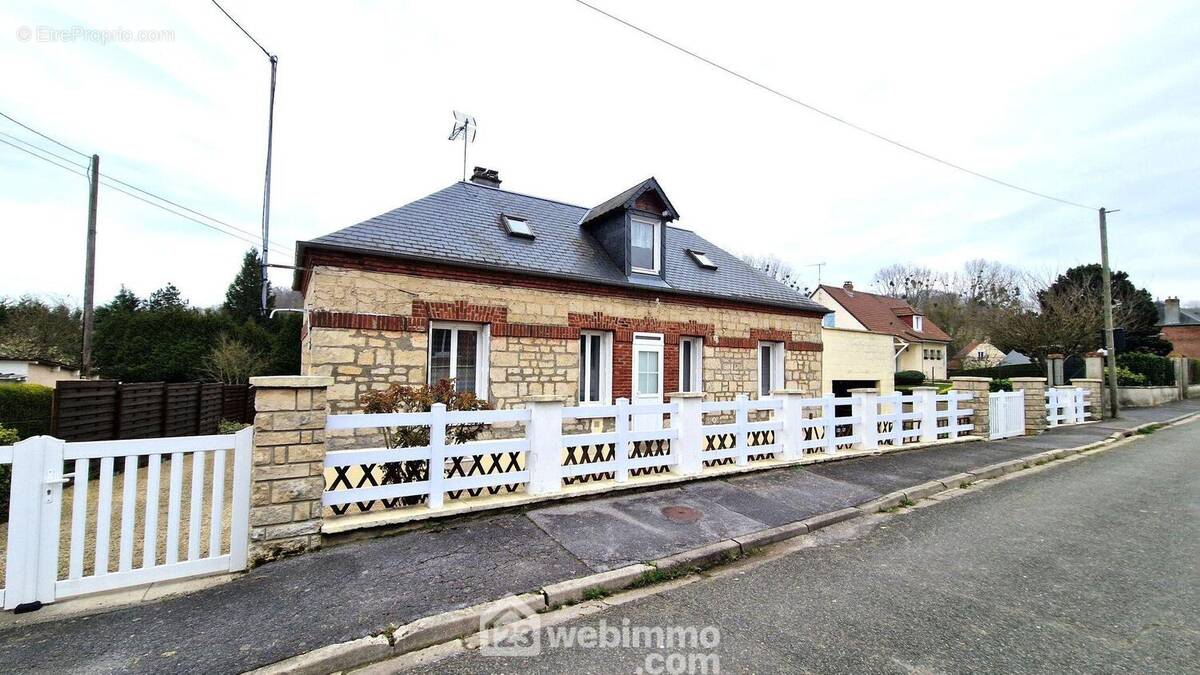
(7, 437)
(910, 377)
(400, 399)
(26, 408)
(1128, 378)
(230, 426)
(1000, 384)
(1158, 371)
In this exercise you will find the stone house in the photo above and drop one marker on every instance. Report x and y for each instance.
(978, 354)
(918, 343)
(515, 296)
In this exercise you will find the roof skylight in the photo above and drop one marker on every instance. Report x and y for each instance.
(518, 227)
(702, 259)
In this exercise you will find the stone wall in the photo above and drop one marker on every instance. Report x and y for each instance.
(980, 387)
(1095, 389)
(369, 333)
(1035, 402)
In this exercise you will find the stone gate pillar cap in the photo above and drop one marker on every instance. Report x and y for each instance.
(292, 381)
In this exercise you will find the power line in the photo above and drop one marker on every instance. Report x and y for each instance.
(244, 31)
(58, 143)
(830, 115)
(214, 228)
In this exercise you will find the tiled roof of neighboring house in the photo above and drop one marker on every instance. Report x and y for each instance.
(462, 225)
(882, 314)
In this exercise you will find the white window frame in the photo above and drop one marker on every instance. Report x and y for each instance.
(482, 350)
(697, 383)
(657, 250)
(777, 363)
(918, 322)
(606, 359)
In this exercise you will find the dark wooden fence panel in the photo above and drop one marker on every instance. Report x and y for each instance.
(141, 410)
(182, 414)
(210, 407)
(233, 404)
(84, 410)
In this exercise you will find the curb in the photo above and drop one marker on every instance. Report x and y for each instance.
(462, 623)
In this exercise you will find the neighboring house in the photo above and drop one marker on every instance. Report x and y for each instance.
(516, 296)
(977, 354)
(854, 359)
(917, 343)
(36, 371)
(1181, 328)
(1015, 358)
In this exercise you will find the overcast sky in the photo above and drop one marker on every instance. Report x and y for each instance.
(1098, 103)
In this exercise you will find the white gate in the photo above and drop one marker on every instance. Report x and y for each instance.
(1006, 414)
(1066, 405)
(149, 548)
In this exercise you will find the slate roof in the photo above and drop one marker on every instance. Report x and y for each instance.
(882, 314)
(623, 199)
(461, 225)
(1186, 317)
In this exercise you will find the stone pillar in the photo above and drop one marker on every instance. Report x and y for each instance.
(1095, 390)
(1035, 402)
(288, 475)
(866, 408)
(1054, 370)
(1093, 366)
(980, 387)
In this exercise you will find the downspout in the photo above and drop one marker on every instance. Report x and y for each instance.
(896, 356)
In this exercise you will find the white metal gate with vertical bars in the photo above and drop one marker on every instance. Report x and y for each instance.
(1006, 414)
(203, 531)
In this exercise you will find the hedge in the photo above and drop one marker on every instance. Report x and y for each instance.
(26, 408)
(910, 377)
(7, 437)
(1159, 371)
(1003, 372)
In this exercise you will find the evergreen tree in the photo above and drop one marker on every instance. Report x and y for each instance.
(167, 297)
(243, 299)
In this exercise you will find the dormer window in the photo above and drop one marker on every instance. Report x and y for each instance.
(702, 259)
(645, 245)
(918, 322)
(517, 227)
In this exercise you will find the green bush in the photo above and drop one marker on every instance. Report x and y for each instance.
(1158, 371)
(7, 437)
(910, 377)
(26, 408)
(1000, 384)
(1128, 378)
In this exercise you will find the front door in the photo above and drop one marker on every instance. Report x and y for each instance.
(647, 378)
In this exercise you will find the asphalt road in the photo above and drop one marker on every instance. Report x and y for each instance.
(1089, 566)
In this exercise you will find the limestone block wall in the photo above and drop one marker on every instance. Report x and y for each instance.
(368, 334)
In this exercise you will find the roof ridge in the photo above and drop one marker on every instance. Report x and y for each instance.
(519, 194)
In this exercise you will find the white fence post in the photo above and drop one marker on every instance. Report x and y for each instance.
(239, 515)
(35, 506)
(689, 422)
(741, 418)
(621, 447)
(1052, 416)
(1079, 414)
(437, 454)
(925, 399)
(828, 415)
(791, 432)
(866, 404)
(544, 459)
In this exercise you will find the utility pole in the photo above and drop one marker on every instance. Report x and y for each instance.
(89, 267)
(266, 219)
(1109, 345)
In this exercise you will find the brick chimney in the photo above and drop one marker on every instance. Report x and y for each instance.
(1171, 311)
(848, 285)
(484, 176)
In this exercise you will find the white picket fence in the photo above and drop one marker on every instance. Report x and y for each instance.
(632, 442)
(1006, 414)
(1066, 406)
(42, 466)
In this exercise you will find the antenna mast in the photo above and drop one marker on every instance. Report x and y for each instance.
(464, 125)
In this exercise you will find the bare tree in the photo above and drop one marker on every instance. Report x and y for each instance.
(915, 284)
(232, 361)
(777, 269)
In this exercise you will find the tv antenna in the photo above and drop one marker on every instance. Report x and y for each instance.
(464, 126)
(818, 266)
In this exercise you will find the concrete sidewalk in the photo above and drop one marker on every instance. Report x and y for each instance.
(296, 605)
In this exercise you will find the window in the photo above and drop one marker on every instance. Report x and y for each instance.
(918, 322)
(979, 354)
(595, 366)
(702, 259)
(691, 354)
(829, 320)
(518, 227)
(645, 243)
(458, 351)
(770, 368)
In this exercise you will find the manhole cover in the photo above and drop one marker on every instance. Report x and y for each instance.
(681, 514)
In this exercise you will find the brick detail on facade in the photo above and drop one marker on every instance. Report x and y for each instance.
(1184, 339)
(460, 310)
(320, 318)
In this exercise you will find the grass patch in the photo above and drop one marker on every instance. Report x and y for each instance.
(659, 576)
(595, 593)
(964, 485)
(906, 502)
(1146, 431)
(1040, 462)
